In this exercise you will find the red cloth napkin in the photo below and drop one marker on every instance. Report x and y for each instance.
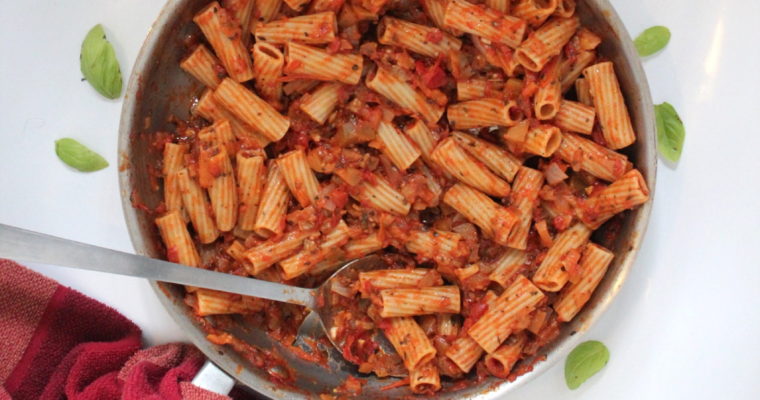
(58, 343)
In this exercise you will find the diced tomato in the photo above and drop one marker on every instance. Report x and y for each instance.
(369, 177)
(598, 137)
(205, 175)
(435, 77)
(339, 197)
(432, 77)
(419, 67)
(561, 222)
(297, 138)
(476, 311)
(334, 46)
(434, 36)
(358, 347)
(384, 324)
(372, 115)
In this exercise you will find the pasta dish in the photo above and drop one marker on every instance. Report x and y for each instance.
(474, 146)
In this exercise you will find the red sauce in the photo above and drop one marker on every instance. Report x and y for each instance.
(435, 36)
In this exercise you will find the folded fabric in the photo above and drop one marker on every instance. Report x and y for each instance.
(59, 343)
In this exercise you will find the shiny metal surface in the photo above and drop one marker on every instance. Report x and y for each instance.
(24, 245)
(158, 89)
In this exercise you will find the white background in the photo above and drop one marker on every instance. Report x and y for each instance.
(685, 325)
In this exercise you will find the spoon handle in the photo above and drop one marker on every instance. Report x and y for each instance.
(24, 245)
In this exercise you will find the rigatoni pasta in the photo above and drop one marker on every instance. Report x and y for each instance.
(422, 137)
(213, 302)
(497, 159)
(465, 351)
(484, 22)
(173, 162)
(545, 43)
(250, 177)
(223, 189)
(203, 66)
(226, 37)
(270, 216)
(534, 12)
(507, 266)
(523, 198)
(302, 262)
(593, 158)
(610, 105)
(409, 302)
(320, 103)
(552, 274)
(519, 299)
(371, 281)
(629, 191)
(264, 11)
(478, 88)
(479, 113)
(495, 221)
(420, 39)
(401, 151)
(575, 117)
(319, 28)
(452, 158)
(425, 378)
(593, 265)
(379, 194)
(273, 251)
(251, 109)
(410, 341)
(315, 63)
(196, 203)
(267, 66)
(501, 361)
(542, 140)
(179, 246)
(299, 176)
(211, 110)
(398, 90)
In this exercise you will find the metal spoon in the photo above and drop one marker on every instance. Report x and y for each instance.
(23, 245)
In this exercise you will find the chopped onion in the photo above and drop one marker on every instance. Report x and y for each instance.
(554, 174)
(339, 288)
(543, 233)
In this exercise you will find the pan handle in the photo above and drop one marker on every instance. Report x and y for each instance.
(213, 379)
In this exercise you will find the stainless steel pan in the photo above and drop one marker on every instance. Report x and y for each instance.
(158, 89)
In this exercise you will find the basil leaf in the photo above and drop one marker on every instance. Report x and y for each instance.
(99, 64)
(77, 155)
(652, 40)
(585, 361)
(670, 132)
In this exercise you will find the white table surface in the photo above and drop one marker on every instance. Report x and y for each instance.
(685, 325)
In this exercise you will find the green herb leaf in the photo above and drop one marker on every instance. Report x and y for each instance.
(585, 361)
(99, 64)
(652, 40)
(77, 155)
(670, 132)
